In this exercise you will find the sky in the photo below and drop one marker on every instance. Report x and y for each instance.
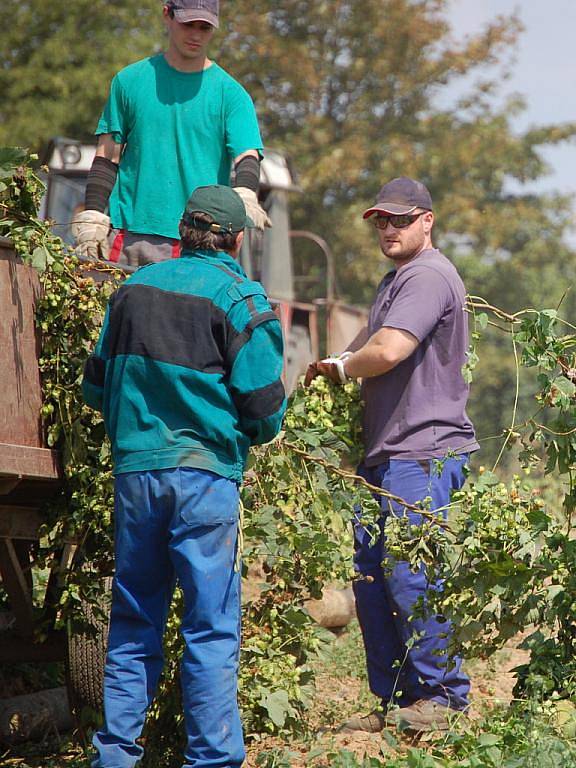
(544, 71)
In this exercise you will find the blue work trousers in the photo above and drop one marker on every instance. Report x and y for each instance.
(174, 525)
(385, 603)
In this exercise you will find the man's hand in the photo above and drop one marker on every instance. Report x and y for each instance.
(311, 373)
(324, 368)
(90, 230)
(253, 207)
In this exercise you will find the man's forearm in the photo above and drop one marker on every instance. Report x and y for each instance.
(371, 360)
(381, 353)
(359, 340)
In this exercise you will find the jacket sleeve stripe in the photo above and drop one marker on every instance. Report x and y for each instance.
(260, 403)
(238, 341)
(233, 275)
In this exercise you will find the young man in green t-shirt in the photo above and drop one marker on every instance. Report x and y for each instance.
(172, 122)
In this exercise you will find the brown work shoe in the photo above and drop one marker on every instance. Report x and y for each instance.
(423, 715)
(372, 723)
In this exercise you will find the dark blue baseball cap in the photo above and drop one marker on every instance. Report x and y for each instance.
(399, 196)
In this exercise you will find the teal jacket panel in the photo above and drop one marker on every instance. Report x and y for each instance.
(187, 369)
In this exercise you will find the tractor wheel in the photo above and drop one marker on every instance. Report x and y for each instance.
(85, 663)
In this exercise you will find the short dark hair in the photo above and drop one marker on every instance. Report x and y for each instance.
(194, 239)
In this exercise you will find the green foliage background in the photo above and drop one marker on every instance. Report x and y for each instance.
(353, 92)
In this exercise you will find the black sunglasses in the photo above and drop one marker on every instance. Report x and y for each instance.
(398, 220)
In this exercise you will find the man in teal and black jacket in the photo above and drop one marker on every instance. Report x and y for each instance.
(187, 373)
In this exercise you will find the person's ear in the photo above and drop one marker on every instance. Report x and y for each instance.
(238, 243)
(428, 221)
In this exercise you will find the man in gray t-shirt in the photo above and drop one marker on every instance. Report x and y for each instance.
(417, 409)
(410, 359)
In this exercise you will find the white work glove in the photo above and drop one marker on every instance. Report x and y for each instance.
(253, 207)
(340, 377)
(331, 367)
(90, 230)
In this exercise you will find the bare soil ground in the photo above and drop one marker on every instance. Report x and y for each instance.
(342, 691)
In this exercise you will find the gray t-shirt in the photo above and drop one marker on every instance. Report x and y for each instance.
(418, 409)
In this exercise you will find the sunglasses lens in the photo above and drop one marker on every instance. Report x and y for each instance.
(399, 221)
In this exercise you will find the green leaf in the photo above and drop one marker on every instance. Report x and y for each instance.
(489, 739)
(390, 740)
(554, 590)
(487, 480)
(10, 159)
(564, 385)
(277, 705)
(40, 258)
(482, 320)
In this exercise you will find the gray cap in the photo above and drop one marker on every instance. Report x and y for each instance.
(195, 10)
(399, 196)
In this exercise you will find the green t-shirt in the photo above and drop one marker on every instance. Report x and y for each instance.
(181, 130)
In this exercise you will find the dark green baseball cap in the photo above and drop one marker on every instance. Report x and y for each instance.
(222, 204)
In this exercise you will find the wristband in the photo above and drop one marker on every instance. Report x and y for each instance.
(101, 180)
(341, 370)
(247, 173)
(338, 363)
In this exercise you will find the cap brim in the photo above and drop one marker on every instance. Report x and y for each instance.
(394, 208)
(248, 224)
(184, 16)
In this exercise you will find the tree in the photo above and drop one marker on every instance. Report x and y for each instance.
(351, 91)
(57, 59)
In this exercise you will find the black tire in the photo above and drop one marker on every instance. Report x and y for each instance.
(85, 662)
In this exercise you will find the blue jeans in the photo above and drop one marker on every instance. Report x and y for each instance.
(385, 604)
(175, 524)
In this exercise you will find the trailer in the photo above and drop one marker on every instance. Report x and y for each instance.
(30, 472)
